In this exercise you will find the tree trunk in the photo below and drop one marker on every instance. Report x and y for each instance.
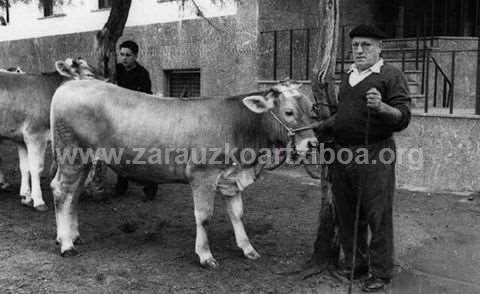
(105, 47)
(106, 39)
(326, 248)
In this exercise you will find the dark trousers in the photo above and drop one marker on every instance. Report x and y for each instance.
(375, 184)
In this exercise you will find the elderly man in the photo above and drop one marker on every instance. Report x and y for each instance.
(373, 104)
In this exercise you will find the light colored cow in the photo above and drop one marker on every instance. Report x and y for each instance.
(97, 116)
(24, 119)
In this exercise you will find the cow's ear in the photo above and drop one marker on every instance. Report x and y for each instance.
(258, 104)
(63, 68)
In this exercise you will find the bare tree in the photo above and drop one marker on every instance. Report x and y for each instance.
(326, 247)
(107, 37)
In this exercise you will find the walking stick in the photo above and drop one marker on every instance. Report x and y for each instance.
(357, 213)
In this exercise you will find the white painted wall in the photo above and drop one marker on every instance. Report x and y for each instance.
(27, 21)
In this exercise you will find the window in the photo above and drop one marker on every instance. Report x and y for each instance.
(183, 83)
(102, 4)
(47, 8)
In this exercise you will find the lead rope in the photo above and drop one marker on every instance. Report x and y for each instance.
(357, 213)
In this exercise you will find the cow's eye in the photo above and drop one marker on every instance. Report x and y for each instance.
(289, 112)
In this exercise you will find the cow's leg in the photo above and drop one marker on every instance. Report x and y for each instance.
(3, 182)
(36, 158)
(234, 205)
(203, 200)
(66, 187)
(25, 192)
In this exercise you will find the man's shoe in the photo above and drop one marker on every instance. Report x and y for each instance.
(150, 191)
(374, 284)
(122, 186)
(360, 272)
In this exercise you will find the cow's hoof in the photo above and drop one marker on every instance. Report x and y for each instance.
(4, 186)
(121, 187)
(26, 202)
(210, 263)
(41, 208)
(69, 253)
(252, 254)
(150, 191)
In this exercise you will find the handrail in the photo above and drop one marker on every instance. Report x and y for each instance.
(295, 61)
(440, 69)
(448, 83)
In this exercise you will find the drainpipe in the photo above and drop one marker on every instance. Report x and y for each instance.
(477, 94)
(7, 9)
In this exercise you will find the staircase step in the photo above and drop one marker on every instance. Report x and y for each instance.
(418, 100)
(413, 75)
(414, 88)
(408, 64)
(393, 53)
(409, 43)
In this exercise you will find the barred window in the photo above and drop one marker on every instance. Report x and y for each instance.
(47, 8)
(183, 83)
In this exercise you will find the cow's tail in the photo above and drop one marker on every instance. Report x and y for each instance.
(54, 164)
(53, 169)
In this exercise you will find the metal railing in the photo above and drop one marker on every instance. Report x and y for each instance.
(288, 53)
(306, 36)
(448, 83)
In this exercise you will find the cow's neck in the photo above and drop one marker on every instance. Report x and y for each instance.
(258, 130)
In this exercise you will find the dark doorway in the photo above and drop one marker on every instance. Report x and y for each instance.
(440, 17)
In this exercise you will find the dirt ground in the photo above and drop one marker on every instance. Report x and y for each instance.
(437, 242)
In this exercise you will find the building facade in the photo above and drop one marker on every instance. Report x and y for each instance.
(188, 56)
(184, 53)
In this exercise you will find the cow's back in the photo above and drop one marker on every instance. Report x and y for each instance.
(102, 114)
(25, 102)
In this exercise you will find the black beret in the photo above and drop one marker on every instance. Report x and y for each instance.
(367, 31)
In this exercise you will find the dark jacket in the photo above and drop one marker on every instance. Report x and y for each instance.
(136, 79)
(350, 122)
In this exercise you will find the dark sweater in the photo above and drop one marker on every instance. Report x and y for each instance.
(350, 122)
(136, 79)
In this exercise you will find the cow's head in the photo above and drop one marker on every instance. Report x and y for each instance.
(291, 108)
(77, 69)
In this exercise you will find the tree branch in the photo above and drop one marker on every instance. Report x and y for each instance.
(323, 71)
(107, 37)
(201, 15)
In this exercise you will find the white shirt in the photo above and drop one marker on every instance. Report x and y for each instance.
(357, 76)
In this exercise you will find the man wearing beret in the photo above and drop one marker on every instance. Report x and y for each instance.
(373, 103)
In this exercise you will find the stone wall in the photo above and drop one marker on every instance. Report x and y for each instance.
(226, 54)
(440, 153)
(465, 68)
